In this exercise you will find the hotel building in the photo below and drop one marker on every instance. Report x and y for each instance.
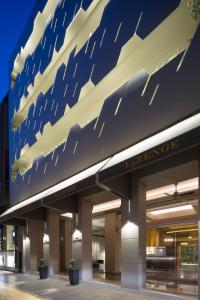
(104, 148)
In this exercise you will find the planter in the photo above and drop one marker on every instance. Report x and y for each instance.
(73, 276)
(43, 271)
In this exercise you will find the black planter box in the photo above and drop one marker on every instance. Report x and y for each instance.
(43, 271)
(73, 276)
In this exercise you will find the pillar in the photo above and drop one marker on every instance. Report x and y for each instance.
(24, 235)
(36, 228)
(66, 243)
(133, 256)
(51, 243)
(112, 243)
(82, 239)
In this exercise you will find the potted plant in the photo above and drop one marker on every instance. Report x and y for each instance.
(43, 269)
(73, 272)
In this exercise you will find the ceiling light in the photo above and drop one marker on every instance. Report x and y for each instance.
(182, 186)
(168, 240)
(160, 192)
(182, 230)
(171, 209)
(188, 185)
(106, 206)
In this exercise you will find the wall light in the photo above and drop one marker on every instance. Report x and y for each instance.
(171, 209)
(45, 238)
(77, 235)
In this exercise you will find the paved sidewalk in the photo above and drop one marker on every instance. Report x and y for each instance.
(30, 287)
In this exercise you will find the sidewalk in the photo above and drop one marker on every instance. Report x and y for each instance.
(29, 287)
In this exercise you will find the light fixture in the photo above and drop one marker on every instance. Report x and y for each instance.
(184, 244)
(189, 237)
(106, 206)
(45, 238)
(67, 215)
(168, 240)
(100, 207)
(160, 192)
(188, 185)
(182, 230)
(164, 191)
(172, 209)
(77, 235)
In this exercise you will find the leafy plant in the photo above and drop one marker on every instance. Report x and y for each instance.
(43, 263)
(73, 264)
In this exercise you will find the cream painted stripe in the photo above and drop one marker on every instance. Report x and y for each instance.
(156, 50)
(76, 36)
(40, 23)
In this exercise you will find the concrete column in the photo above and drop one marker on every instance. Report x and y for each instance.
(36, 229)
(66, 243)
(51, 248)
(19, 248)
(24, 232)
(82, 239)
(112, 243)
(133, 244)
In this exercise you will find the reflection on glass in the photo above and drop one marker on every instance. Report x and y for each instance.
(172, 258)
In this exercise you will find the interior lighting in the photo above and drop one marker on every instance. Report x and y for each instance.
(171, 209)
(106, 206)
(182, 186)
(182, 230)
(168, 240)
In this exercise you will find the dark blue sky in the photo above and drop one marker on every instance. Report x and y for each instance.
(13, 17)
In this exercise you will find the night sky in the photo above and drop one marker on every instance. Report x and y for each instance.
(13, 17)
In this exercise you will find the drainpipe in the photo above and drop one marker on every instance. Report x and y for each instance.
(106, 188)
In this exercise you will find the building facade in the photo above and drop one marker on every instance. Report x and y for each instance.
(102, 94)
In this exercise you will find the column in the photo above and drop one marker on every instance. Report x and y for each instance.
(24, 233)
(133, 244)
(36, 228)
(66, 243)
(82, 239)
(51, 245)
(112, 243)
